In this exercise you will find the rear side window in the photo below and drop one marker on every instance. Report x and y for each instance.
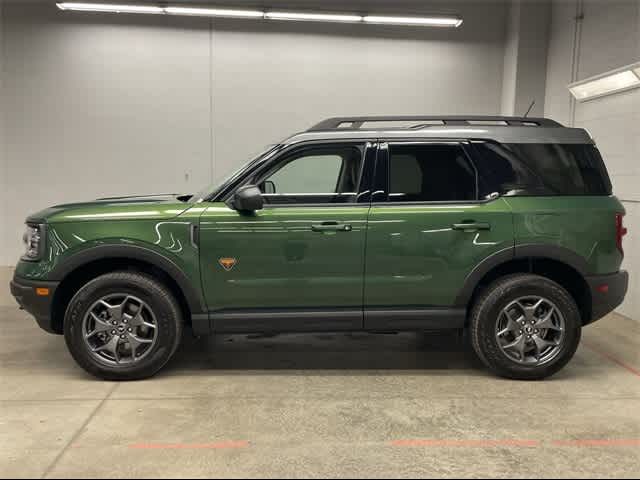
(430, 173)
(541, 169)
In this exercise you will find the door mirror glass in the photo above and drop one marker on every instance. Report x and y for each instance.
(247, 199)
(268, 187)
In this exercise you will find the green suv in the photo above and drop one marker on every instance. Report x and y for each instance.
(503, 227)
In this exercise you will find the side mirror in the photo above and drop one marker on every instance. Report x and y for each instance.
(269, 187)
(247, 198)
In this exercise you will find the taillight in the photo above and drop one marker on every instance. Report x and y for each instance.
(621, 231)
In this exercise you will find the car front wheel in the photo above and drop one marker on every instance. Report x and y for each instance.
(123, 326)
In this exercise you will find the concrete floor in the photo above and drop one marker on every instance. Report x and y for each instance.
(319, 406)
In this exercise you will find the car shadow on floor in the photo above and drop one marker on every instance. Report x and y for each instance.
(234, 354)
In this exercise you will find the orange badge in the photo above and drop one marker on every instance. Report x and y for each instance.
(227, 263)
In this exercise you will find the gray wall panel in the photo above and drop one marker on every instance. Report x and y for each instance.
(102, 104)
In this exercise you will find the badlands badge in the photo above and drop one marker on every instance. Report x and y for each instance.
(227, 263)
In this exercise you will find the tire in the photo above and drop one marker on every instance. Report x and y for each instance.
(514, 292)
(145, 303)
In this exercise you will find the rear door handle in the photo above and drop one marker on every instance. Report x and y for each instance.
(331, 227)
(471, 226)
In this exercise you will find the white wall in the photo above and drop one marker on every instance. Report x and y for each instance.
(608, 37)
(510, 69)
(3, 163)
(95, 108)
(291, 79)
(102, 104)
(525, 57)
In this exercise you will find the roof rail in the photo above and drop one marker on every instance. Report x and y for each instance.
(356, 123)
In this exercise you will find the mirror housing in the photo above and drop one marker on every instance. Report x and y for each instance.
(247, 198)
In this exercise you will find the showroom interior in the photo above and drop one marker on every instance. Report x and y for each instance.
(98, 104)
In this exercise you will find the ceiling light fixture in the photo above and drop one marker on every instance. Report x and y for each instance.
(614, 81)
(417, 21)
(433, 21)
(313, 17)
(214, 12)
(108, 7)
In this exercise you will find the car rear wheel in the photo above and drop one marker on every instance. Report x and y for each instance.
(525, 326)
(123, 326)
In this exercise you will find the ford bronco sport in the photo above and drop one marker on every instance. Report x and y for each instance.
(505, 227)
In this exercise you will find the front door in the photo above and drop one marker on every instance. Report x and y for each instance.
(428, 228)
(297, 264)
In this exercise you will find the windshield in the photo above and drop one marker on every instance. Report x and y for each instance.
(211, 190)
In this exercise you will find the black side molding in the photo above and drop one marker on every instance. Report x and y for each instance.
(331, 320)
(408, 319)
(289, 320)
(200, 324)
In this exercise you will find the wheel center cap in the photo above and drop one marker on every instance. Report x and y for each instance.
(121, 329)
(529, 329)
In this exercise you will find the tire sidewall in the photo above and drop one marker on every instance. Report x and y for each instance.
(144, 288)
(488, 313)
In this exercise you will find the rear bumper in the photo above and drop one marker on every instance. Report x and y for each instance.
(35, 301)
(607, 292)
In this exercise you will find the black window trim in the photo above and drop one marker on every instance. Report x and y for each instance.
(382, 171)
(370, 147)
(223, 191)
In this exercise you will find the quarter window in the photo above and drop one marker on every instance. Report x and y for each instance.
(540, 169)
(430, 173)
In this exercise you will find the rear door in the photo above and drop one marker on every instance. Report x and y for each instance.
(427, 230)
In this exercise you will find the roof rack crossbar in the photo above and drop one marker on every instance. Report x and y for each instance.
(356, 123)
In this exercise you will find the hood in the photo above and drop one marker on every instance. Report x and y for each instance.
(149, 207)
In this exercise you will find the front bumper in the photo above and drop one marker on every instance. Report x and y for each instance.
(30, 295)
(607, 292)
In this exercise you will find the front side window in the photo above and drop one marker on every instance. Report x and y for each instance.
(323, 174)
(430, 173)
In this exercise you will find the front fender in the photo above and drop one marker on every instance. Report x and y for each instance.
(166, 245)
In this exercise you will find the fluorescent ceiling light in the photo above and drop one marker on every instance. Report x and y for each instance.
(317, 17)
(423, 21)
(435, 21)
(617, 80)
(108, 7)
(602, 86)
(214, 12)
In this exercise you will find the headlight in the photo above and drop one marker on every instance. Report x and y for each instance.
(33, 242)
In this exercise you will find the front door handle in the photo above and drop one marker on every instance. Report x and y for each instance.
(331, 227)
(471, 226)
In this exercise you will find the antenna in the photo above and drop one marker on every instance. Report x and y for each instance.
(533, 102)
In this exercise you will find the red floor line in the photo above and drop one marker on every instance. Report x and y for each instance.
(465, 443)
(620, 442)
(612, 359)
(190, 446)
